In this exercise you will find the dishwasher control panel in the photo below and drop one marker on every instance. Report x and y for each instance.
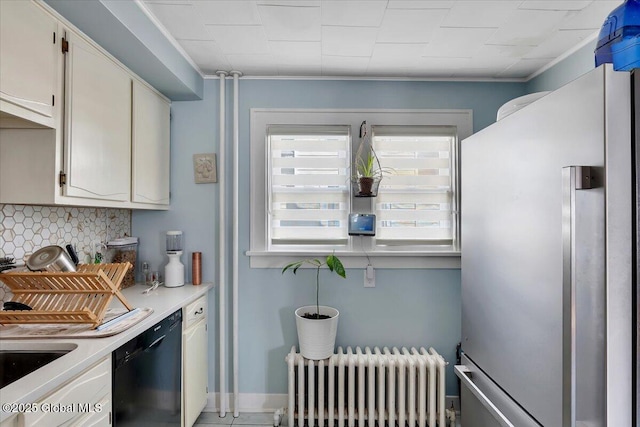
(195, 311)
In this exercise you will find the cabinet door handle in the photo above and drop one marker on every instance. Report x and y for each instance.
(200, 311)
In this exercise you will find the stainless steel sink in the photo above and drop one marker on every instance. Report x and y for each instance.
(23, 359)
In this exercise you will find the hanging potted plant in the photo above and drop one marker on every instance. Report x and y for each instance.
(368, 172)
(316, 324)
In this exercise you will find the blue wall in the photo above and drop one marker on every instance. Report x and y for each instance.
(565, 71)
(407, 307)
(194, 207)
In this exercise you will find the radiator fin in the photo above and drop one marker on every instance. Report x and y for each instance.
(393, 388)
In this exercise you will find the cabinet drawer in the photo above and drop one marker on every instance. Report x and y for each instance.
(195, 311)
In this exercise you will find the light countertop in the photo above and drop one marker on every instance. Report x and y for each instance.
(89, 351)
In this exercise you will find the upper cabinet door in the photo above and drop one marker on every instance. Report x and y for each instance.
(97, 124)
(28, 61)
(151, 136)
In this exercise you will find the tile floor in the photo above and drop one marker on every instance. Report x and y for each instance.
(209, 419)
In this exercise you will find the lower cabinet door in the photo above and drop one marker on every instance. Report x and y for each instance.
(12, 422)
(195, 371)
(85, 401)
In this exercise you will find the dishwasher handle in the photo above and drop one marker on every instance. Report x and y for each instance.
(138, 346)
(138, 351)
(158, 341)
(464, 373)
(155, 343)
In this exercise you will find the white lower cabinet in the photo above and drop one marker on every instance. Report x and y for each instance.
(12, 422)
(194, 361)
(85, 401)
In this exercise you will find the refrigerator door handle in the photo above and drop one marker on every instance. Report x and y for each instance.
(464, 373)
(574, 178)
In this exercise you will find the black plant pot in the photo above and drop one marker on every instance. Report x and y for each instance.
(365, 186)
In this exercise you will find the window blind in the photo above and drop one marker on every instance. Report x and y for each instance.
(416, 204)
(308, 184)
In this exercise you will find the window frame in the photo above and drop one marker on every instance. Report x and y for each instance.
(358, 252)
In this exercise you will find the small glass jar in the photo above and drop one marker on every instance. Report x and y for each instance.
(146, 273)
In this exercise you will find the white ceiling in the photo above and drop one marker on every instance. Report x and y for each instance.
(449, 39)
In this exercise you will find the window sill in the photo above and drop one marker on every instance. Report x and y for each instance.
(379, 259)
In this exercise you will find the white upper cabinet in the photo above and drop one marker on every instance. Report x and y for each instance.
(77, 127)
(150, 147)
(29, 69)
(97, 124)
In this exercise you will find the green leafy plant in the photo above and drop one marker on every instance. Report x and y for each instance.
(368, 172)
(332, 262)
(367, 167)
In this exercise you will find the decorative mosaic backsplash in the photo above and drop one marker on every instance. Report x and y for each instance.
(25, 229)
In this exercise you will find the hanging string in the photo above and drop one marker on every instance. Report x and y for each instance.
(364, 250)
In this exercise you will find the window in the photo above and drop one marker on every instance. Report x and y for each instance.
(301, 191)
(308, 184)
(416, 204)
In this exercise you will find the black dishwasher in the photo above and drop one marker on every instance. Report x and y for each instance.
(147, 376)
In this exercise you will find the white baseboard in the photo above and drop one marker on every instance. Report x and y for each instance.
(270, 402)
(248, 402)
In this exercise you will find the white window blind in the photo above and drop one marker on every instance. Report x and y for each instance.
(416, 201)
(308, 184)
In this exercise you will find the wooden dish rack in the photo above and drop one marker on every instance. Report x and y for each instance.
(79, 297)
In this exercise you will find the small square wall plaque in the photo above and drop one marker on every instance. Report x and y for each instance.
(204, 168)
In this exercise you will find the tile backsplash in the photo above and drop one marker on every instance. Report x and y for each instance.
(25, 229)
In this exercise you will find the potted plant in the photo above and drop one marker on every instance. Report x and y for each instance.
(317, 325)
(368, 172)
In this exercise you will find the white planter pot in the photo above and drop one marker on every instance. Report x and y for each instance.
(317, 338)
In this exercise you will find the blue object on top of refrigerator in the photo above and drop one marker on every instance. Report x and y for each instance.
(619, 38)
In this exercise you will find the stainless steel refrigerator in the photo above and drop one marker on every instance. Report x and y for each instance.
(549, 260)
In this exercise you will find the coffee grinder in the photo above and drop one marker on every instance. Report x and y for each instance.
(174, 270)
